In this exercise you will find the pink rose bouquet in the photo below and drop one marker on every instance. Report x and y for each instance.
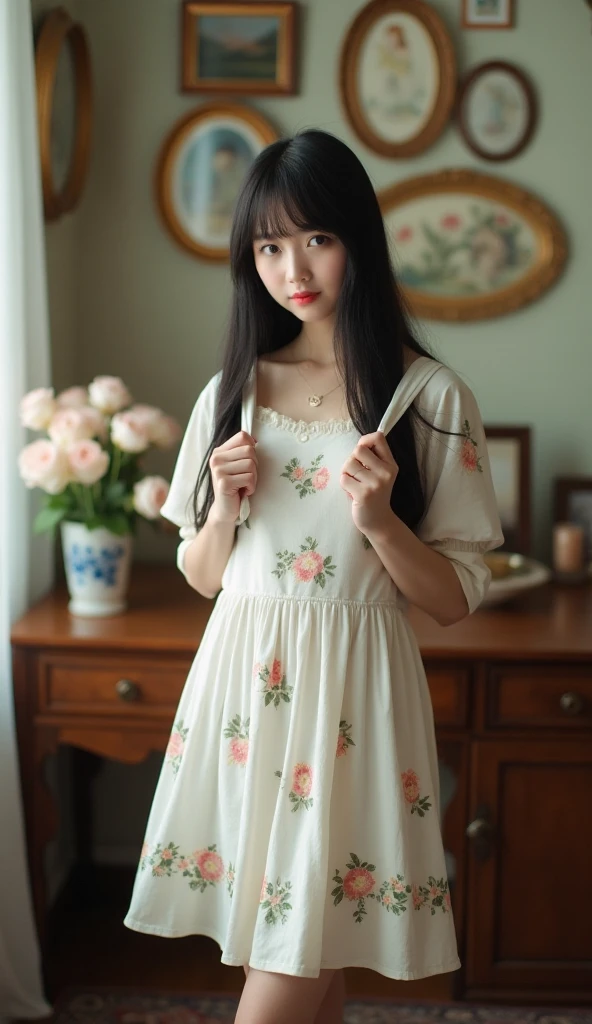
(90, 463)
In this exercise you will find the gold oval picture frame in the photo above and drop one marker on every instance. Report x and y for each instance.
(64, 134)
(200, 169)
(397, 76)
(469, 246)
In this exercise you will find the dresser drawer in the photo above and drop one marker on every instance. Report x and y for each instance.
(79, 685)
(449, 690)
(543, 696)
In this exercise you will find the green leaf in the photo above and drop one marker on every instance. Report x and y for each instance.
(48, 519)
(116, 523)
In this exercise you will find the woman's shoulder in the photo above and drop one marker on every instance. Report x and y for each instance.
(445, 391)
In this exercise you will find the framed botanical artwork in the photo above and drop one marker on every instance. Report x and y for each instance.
(397, 76)
(468, 246)
(239, 47)
(573, 504)
(64, 110)
(496, 110)
(488, 13)
(508, 449)
(200, 169)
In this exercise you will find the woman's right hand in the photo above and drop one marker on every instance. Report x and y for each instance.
(234, 475)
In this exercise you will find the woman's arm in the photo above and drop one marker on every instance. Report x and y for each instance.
(206, 558)
(424, 576)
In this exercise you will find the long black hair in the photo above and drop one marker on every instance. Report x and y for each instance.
(316, 182)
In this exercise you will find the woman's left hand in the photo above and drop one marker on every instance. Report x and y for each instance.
(367, 476)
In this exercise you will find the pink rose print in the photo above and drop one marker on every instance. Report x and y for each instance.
(176, 746)
(344, 739)
(404, 234)
(307, 481)
(209, 864)
(306, 566)
(320, 479)
(230, 876)
(418, 899)
(419, 805)
(468, 455)
(434, 895)
(301, 786)
(203, 868)
(276, 688)
(275, 901)
(237, 732)
(451, 222)
(263, 889)
(359, 884)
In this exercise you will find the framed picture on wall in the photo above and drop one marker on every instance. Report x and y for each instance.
(397, 76)
(488, 13)
(508, 449)
(468, 246)
(200, 169)
(240, 47)
(496, 110)
(573, 504)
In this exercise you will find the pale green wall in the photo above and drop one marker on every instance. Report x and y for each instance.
(126, 300)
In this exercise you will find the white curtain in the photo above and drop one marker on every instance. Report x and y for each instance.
(25, 565)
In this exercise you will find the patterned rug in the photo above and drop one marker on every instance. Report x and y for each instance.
(122, 1006)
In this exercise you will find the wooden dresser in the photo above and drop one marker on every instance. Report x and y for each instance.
(512, 695)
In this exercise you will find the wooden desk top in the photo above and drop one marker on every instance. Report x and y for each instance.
(166, 614)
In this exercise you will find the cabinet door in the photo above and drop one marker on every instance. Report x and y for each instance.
(529, 923)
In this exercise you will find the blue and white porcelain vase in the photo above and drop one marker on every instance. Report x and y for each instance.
(97, 569)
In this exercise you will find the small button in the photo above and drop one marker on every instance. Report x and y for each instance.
(304, 437)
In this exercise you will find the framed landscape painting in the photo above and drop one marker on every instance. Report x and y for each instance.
(201, 167)
(467, 246)
(239, 47)
(397, 76)
(496, 110)
(487, 13)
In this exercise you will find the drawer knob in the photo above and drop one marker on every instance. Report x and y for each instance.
(481, 832)
(571, 703)
(126, 690)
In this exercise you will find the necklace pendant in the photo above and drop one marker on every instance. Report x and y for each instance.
(315, 400)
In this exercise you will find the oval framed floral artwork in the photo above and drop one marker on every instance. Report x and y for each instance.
(468, 246)
(398, 76)
(496, 110)
(201, 166)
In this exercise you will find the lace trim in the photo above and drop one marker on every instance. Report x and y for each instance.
(277, 419)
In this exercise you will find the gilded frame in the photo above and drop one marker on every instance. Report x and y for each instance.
(58, 30)
(548, 231)
(348, 76)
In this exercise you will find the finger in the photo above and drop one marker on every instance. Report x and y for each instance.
(237, 440)
(352, 487)
(224, 455)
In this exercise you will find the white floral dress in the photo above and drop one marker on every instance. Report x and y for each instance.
(295, 820)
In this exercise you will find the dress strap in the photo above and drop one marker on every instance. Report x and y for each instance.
(411, 383)
(247, 417)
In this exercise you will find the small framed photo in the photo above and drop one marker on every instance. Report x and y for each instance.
(573, 504)
(496, 110)
(239, 47)
(488, 14)
(509, 455)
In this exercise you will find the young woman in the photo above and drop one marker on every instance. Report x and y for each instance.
(337, 473)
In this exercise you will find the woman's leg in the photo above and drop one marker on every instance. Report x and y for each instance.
(272, 998)
(332, 1008)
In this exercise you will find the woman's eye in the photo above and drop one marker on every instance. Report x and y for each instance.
(270, 246)
(319, 239)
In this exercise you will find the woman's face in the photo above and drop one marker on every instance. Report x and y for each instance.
(302, 272)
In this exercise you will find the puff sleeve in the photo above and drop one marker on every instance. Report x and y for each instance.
(178, 507)
(461, 519)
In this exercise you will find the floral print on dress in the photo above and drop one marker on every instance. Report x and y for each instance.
(301, 787)
(237, 732)
(359, 884)
(308, 565)
(176, 746)
(468, 454)
(276, 688)
(344, 739)
(204, 868)
(307, 481)
(419, 804)
(274, 900)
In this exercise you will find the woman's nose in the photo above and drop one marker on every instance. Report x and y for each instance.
(297, 270)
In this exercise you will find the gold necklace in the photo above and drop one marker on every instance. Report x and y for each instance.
(314, 399)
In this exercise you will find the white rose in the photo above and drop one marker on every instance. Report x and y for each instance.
(88, 461)
(72, 398)
(109, 394)
(163, 431)
(69, 425)
(37, 408)
(129, 432)
(43, 464)
(150, 495)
